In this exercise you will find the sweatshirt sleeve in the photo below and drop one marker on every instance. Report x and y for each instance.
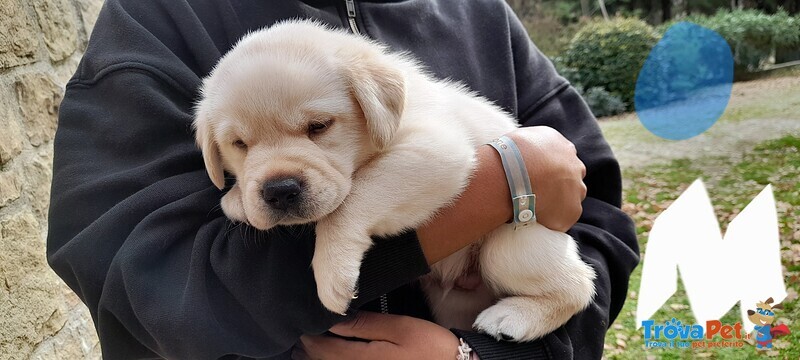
(135, 228)
(606, 236)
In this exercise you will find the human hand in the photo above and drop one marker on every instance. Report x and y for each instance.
(556, 175)
(557, 179)
(390, 337)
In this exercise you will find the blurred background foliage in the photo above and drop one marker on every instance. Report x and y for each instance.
(600, 45)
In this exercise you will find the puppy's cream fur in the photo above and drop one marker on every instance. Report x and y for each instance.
(400, 146)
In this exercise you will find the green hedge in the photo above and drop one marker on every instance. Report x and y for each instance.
(601, 102)
(605, 57)
(609, 55)
(752, 34)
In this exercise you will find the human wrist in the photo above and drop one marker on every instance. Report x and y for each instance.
(528, 145)
(498, 194)
(522, 197)
(556, 174)
(482, 207)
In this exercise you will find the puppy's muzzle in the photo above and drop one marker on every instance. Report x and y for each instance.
(282, 193)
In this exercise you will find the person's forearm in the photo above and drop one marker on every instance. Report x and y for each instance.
(483, 206)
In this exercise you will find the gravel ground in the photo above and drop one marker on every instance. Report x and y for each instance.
(758, 110)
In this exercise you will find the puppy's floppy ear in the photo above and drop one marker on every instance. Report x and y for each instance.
(211, 155)
(380, 90)
(778, 306)
(769, 301)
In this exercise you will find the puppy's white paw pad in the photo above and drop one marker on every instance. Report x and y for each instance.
(497, 322)
(505, 321)
(337, 263)
(336, 293)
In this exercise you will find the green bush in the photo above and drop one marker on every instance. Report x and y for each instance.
(752, 34)
(609, 55)
(601, 102)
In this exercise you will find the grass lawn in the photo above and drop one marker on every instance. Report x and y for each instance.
(736, 160)
(777, 98)
(731, 182)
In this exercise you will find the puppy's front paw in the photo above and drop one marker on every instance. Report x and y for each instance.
(514, 319)
(335, 287)
(337, 262)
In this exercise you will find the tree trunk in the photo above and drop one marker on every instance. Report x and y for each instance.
(602, 4)
(585, 8)
(654, 13)
(666, 10)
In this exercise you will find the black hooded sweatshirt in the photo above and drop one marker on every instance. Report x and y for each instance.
(135, 227)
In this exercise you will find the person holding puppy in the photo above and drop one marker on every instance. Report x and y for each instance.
(135, 225)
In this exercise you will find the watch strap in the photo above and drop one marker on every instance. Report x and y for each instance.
(522, 197)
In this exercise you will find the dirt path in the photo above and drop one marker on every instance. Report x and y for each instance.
(758, 111)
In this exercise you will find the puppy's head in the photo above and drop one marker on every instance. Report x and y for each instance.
(292, 111)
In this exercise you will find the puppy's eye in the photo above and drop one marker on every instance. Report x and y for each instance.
(318, 127)
(240, 144)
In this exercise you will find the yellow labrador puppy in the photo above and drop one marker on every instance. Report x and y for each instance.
(320, 125)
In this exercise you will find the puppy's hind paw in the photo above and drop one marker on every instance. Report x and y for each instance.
(512, 319)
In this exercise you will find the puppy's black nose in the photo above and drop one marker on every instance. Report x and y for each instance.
(280, 194)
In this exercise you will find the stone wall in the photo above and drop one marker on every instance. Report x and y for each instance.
(41, 42)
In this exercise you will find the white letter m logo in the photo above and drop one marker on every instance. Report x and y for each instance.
(716, 273)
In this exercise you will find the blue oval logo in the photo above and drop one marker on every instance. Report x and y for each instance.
(685, 83)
